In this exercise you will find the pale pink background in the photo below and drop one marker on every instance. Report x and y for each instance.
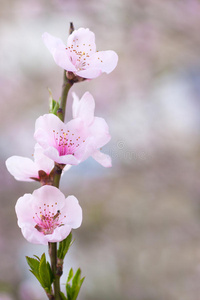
(140, 238)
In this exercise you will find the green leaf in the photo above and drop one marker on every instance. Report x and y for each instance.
(45, 275)
(69, 291)
(77, 289)
(50, 99)
(53, 104)
(36, 275)
(76, 284)
(50, 272)
(63, 296)
(33, 264)
(55, 107)
(64, 246)
(76, 279)
(41, 269)
(37, 257)
(70, 275)
(73, 289)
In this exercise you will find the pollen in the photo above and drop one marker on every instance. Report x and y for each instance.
(78, 54)
(48, 221)
(66, 142)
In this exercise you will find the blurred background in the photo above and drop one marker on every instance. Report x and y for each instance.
(140, 237)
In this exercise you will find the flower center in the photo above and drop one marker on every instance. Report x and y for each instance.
(67, 142)
(78, 57)
(46, 220)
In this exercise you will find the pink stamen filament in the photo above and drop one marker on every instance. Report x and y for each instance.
(66, 143)
(47, 222)
(78, 57)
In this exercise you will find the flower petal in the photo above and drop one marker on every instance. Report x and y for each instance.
(89, 73)
(57, 49)
(42, 161)
(65, 159)
(48, 122)
(75, 105)
(44, 128)
(100, 131)
(106, 61)
(85, 151)
(23, 211)
(59, 234)
(84, 108)
(22, 168)
(102, 158)
(48, 194)
(52, 43)
(62, 60)
(73, 212)
(84, 39)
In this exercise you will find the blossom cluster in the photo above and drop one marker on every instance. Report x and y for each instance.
(46, 215)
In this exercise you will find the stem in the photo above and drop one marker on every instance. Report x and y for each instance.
(56, 181)
(53, 257)
(57, 171)
(67, 84)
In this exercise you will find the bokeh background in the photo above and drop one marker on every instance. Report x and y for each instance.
(140, 237)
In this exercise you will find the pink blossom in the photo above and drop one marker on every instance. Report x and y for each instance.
(26, 169)
(46, 216)
(84, 109)
(75, 141)
(70, 143)
(79, 55)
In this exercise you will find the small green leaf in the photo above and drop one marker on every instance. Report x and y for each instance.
(63, 296)
(70, 275)
(82, 279)
(37, 257)
(77, 289)
(76, 284)
(36, 275)
(50, 99)
(76, 279)
(55, 107)
(64, 246)
(50, 272)
(69, 291)
(41, 269)
(33, 264)
(73, 289)
(44, 273)
(53, 104)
